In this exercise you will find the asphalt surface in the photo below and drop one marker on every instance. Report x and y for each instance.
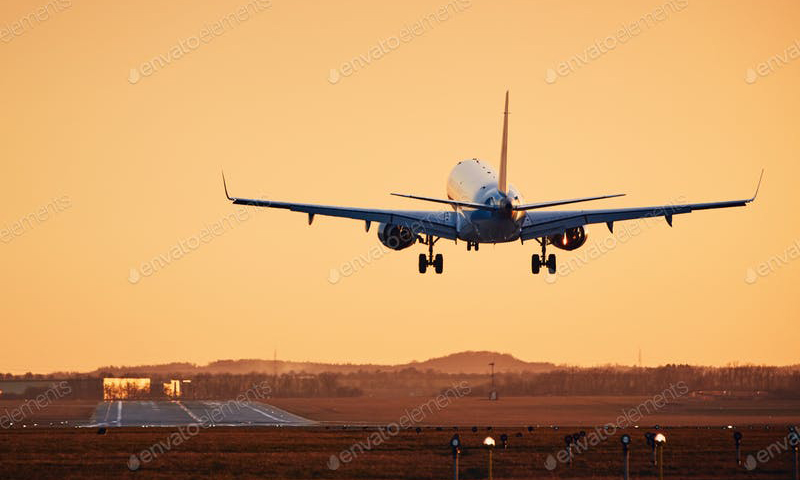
(131, 413)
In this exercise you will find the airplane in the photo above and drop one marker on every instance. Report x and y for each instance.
(488, 209)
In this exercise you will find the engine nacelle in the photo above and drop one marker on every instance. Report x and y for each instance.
(396, 237)
(570, 240)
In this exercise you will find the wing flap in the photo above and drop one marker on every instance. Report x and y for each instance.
(439, 224)
(541, 224)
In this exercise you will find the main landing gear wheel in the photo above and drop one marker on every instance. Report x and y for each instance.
(551, 264)
(429, 260)
(538, 262)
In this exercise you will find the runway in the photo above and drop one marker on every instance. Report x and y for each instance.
(131, 413)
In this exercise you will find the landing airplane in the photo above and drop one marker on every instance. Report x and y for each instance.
(487, 209)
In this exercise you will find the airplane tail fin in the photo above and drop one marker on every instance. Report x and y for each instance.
(502, 185)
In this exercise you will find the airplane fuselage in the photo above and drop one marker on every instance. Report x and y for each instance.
(476, 181)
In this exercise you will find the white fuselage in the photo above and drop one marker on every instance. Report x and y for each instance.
(476, 182)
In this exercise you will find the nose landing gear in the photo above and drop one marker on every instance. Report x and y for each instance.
(471, 245)
(437, 262)
(538, 262)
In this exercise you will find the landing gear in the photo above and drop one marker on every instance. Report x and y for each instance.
(551, 264)
(436, 262)
(471, 245)
(538, 262)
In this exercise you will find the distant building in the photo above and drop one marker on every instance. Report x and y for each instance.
(172, 389)
(125, 388)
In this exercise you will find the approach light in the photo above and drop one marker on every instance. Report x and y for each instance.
(626, 439)
(455, 443)
(488, 442)
(660, 438)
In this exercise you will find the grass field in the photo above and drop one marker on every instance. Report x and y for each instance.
(223, 453)
(545, 410)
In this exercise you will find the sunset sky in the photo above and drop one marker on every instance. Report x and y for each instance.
(118, 245)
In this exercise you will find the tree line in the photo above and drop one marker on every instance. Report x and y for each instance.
(781, 382)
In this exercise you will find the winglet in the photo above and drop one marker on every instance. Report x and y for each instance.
(225, 185)
(758, 186)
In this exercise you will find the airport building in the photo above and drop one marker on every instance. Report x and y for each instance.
(105, 388)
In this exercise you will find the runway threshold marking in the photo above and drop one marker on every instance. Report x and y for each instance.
(264, 413)
(119, 412)
(108, 410)
(188, 412)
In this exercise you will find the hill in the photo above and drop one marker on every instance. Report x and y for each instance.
(463, 362)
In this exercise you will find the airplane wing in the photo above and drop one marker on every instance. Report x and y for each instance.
(439, 224)
(541, 224)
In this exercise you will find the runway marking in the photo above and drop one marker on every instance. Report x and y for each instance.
(264, 413)
(188, 412)
(108, 410)
(151, 416)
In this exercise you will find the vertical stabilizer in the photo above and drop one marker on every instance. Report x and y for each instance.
(502, 185)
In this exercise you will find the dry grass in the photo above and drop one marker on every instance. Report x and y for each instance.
(544, 410)
(304, 453)
(73, 411)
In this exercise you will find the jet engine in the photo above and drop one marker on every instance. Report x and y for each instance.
(570, 240)
(396, 237)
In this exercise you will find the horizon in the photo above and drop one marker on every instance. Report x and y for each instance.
(120, 246)
(409, 363)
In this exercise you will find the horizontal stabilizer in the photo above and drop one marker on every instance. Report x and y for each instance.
(533, 206)
(453, 203)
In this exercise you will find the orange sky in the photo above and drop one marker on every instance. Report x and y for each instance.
(118, 117)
